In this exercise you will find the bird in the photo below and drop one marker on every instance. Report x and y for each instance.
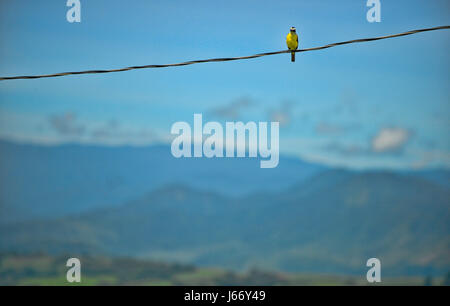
(292, 42)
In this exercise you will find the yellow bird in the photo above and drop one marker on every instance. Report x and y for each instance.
(292, 42)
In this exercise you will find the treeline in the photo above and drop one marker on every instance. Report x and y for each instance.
(43, 269)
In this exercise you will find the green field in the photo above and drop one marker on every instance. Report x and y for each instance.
(45, 270)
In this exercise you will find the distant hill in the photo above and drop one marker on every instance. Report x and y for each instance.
(330, 223)
(438, 176)
(39, 181)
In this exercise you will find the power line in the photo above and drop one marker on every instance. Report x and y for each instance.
(225, 59)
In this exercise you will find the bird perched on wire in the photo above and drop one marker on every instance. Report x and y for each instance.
(292, 42)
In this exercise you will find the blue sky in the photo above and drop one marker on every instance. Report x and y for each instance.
(375, 105)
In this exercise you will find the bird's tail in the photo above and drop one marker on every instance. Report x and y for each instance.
(292, 56)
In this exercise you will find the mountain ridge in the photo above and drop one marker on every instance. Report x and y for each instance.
(330, 228)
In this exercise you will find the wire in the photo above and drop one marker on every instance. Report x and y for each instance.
(225, 59)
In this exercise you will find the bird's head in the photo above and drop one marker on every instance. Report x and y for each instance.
(293, 29)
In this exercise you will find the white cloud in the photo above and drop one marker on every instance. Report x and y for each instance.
(233, 110)
(66, 124)
(283, 114)
(390, 139)
(432, 158)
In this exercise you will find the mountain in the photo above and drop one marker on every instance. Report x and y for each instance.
(330, 223)
(438, 176)
(39, 181)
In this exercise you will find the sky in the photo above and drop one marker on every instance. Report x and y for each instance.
(376, 105)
